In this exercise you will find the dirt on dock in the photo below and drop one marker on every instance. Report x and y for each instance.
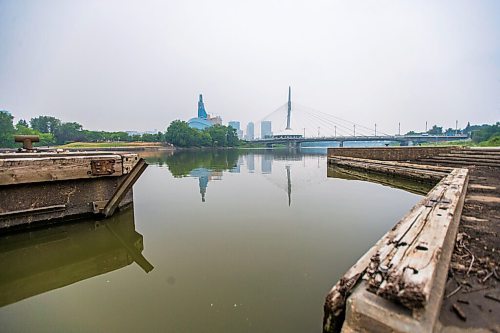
(472, 295)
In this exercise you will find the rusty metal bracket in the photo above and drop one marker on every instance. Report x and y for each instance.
(98, 206)
(102, 167)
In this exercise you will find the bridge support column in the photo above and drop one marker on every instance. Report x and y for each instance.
(406, 143)
(293, 145)
(341, 143)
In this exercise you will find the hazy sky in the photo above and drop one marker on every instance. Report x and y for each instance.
(137, 65)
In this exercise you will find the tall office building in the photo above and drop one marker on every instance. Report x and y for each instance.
(265, 129)
(250, 158)
(236, 126)
(250, 132)
(266, 163)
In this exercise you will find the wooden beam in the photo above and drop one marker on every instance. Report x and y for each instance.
(124, 187)
(402, 265)
(35, 168)
(392, 168)
(406, 272)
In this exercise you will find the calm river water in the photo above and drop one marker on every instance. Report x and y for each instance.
(216, 242)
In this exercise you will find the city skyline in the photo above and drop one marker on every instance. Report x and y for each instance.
(368, 62)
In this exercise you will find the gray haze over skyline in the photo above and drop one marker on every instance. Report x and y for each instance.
(138, 65)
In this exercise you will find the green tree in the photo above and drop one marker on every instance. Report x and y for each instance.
(218, 135)
(22, 122)
(232, 137)
(67, 132)
(45, 124)
(46, 139)
(6, 129)
(435, 130)
(450, 131)
(485, 132)
(180, 134)
(223, 136)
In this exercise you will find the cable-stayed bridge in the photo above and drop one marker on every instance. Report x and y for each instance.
(294, 124)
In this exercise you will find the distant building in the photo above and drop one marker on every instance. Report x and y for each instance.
(265, 129)
(266, 163)
(236, 126)
(250, 132)
(204, 120)
(155, 131)
(250, 158)
(215, 120)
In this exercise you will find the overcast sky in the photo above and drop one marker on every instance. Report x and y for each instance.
(137, 65)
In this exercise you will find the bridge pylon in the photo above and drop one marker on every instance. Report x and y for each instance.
(289, 108)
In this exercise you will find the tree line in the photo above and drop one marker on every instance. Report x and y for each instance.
(53, 131)
(478, 133)
(181, 135)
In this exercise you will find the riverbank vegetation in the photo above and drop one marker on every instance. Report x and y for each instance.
(53, 131)
(480, 136)
(181, 135)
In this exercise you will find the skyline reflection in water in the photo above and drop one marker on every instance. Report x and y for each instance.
(259, 254)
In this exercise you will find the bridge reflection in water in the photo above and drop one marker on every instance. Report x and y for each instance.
(45, 259)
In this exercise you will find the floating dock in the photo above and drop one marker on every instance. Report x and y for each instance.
(399, 284)
(40, 188)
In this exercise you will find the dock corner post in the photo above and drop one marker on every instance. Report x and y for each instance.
(124, 187)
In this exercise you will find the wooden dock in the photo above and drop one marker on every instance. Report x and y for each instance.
(37, 188)
(399, 284)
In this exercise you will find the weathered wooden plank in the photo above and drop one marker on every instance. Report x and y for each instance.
(42, 169)
(394, 251)
(483, 198)
(39, 154)
(395, 164)
(465, 163)
(412, 168)
(402, 265)
(413, 173)
(493, 157)
(411, 269)
(124, 187)
(480, 187)
(335, 300)
(466, 158)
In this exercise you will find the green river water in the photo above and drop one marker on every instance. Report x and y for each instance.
(221, 241)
